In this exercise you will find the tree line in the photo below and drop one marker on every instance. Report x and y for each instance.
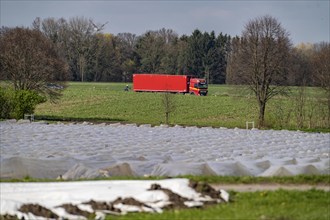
(95, 56)
(88, 54)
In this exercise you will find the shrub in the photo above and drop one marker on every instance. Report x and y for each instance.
(6, 102)
(14, 104)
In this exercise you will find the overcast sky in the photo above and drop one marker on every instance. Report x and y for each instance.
(306, 21)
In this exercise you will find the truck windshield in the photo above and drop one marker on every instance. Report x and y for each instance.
(201, 85)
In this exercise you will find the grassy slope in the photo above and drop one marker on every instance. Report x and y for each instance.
(225, 106)
(108, 102)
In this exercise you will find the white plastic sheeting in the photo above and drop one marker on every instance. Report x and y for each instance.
(53, 196)
(75, 151)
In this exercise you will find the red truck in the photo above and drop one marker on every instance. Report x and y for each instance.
(169, 83)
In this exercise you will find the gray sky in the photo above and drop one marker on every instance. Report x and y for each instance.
(306, 21)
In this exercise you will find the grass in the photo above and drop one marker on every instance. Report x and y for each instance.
(277, 205)
(225, 106)
(108, 102)
(298, 179)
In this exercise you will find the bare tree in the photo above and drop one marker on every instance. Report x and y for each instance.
(168, 35)
(300, 76)
(169, 105)
(29, 60)
(321, 69)
(82, 40)
(261, 60)
(129, 40)
(36, 23)
(126, 44)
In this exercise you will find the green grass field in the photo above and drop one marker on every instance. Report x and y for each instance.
(225, 106)
(298, 179)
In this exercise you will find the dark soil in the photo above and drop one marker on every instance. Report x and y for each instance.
(102, 206)
(8, 217)
(74, 210)
(176, 200)
(128, 201)
(37, 210)
(205, 189)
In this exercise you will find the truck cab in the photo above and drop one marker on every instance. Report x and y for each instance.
(198, 86)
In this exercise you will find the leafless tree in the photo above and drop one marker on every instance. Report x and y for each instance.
(77, 41)
(128, 39)
(301, 68)
(126, 44)
(261, 60)
(36, 23)
(321, 67)
(29, 60)
(51, 28)
(168, 35)
(82, 43)
(168, 101)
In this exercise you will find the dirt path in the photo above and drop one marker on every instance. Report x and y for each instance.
(268, 187)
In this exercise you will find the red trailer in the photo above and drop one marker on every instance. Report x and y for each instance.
(169, 83)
